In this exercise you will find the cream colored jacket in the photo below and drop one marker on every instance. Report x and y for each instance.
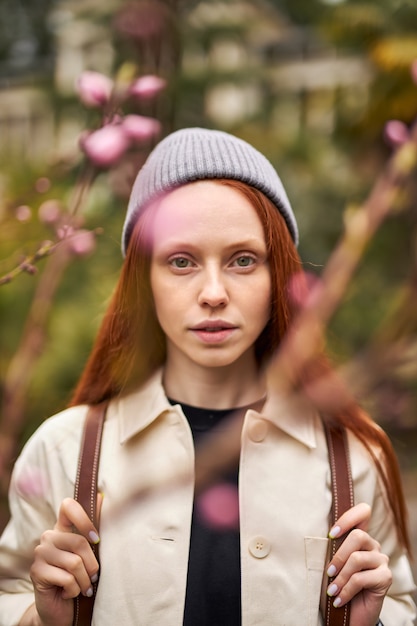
(146, 475)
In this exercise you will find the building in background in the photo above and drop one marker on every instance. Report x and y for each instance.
(242, 61)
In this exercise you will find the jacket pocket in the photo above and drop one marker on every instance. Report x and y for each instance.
(315, 549)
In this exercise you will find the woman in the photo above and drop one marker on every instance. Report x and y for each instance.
(216, 489)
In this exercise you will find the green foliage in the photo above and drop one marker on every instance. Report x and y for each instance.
(378, 281)
(354, 26)
(78, 304)
(383, 34)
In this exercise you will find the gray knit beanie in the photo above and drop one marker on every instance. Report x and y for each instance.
(194, 154)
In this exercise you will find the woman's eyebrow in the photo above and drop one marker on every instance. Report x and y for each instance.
(247, 242)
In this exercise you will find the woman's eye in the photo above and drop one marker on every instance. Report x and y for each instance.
(180, 262)
(244, 261)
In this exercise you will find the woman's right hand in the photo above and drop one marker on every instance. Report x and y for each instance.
(64, 565)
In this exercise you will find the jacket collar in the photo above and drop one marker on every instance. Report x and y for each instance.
(294, 416)
(139, 409)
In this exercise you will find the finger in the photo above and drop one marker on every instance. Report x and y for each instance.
(54, 548)
(376, 580)
(72, 515)
(356, 517)
(73, 565)
(46, 577)
(356, 542)
(356, 562)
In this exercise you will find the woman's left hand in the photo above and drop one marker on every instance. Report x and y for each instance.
(359, 569)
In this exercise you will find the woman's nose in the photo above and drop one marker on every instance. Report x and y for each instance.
(213, 290)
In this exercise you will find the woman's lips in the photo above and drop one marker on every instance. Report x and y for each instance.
(213, 333)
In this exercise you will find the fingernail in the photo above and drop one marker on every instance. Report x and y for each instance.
(337, 602)
(94, 537)
(331, 571)
(94, 578)
(332, 590)
(334, 532)
(89, 592)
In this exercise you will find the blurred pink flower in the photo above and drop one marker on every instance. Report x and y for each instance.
(32, 483)
(105, 146)
(396, 133)
(94, 88)
(23, 213)
(303, 288)
(65, 231)
(147, 86)
(114, 120)
(82, 243)
(29, 268)
(144, 21)
(49, 211)
(141, 128)
(43, 184)
(218, 506)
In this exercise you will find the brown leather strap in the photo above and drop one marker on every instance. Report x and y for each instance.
(85, 493)
(342, 493)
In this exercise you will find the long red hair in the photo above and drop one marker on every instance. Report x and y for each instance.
(130, 344)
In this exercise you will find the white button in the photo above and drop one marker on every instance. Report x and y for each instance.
(259, 547)
(258, 430)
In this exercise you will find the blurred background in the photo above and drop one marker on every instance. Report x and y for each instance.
(311, 83)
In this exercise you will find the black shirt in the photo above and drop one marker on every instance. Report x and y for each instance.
(213, 582)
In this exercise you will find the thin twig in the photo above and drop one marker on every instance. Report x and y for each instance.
(29, 262)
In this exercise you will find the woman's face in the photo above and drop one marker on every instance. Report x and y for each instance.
(209, 275)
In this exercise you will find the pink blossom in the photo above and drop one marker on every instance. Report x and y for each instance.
(105, 146)
(143, 21)
(82, 243)
(32, 483)
(29, 268)
(43, 184)
(304, 289)
(218, 506)
(65, 231)
(147, 86)
(49, 211)
(23, 213)
(114, 120)
(396, 133)
(141, 128)
(94, 88)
